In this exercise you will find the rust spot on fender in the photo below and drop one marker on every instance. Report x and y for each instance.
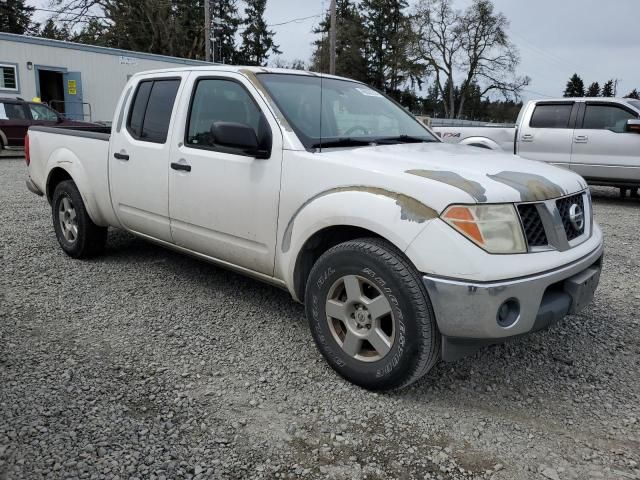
(251, 76)
(411, 210)
(472, 188)
(532, 187)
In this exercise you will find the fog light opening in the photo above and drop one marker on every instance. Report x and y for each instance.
(508, 313)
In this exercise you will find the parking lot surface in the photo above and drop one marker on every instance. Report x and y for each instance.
(144, 363)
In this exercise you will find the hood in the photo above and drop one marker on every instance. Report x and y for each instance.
(485, 176)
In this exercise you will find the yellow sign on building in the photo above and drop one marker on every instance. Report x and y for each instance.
(72, 87)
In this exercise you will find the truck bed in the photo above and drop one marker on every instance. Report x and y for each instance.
(97, 133)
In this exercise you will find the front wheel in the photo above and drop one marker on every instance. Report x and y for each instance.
(78, 236)
(370, 315)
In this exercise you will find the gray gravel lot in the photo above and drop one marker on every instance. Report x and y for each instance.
(144, 363)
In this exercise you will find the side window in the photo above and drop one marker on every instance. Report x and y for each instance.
(12, 111)
(40, 112)
(151, 110)
(606, 117)
(551, 116)
(217, 100)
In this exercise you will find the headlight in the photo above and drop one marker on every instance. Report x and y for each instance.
(495, 228)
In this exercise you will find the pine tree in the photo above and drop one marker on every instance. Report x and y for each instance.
(350, 43)
(53, 31)
(388, 34)
(225, 24)
(593, 90)
(607, 90)
(634, 94)
(575, 87)
(257, 40)
(15, 17)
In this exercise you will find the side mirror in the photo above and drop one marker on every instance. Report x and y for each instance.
(59, 119)
(633, 126)
(239, 136)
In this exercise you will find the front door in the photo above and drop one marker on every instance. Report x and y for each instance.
(226, 205)
(549, 135)
(139, 157)
(603, 149)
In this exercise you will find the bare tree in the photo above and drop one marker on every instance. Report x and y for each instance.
(471, 47)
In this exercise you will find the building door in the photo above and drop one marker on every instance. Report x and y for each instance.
(50, 86)
(73, 107)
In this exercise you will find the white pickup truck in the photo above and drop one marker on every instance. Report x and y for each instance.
(403, 249)
(595, 137)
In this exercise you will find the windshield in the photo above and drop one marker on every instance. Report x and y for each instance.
(635, 103)
(352, 113)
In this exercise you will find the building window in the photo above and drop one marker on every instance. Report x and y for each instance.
(8, 77)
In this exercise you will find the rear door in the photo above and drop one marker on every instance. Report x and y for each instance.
(603, 149)
(139, 156)
(226, 205)
(548, 133)
(14, 123)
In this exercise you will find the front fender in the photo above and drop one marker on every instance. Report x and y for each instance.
(69, 162)
(395, 217)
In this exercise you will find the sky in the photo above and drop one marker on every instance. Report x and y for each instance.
(556, 38)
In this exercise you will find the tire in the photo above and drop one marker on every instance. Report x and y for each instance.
(78, 236)
(388, 297)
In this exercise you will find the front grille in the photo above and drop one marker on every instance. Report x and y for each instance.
(564, 207)
(532, 224)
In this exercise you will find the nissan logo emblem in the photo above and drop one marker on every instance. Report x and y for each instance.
(576, 217)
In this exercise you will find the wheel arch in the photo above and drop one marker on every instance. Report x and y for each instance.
(481, 142)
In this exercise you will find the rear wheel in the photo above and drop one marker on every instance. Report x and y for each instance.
(78, 236)
(370, 315)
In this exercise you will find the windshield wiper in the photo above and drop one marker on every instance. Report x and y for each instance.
(400, 139)
(342, 142)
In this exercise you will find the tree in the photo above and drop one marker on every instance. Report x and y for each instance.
(350, 43)
(225, 22)
(575, 87)
(472, 45)
(608, 89)
(296, 64)
(53, 31)
(15, 17)
(257, 40)
(170, 27)
(388, 34)
(593, 90)
(634, 94)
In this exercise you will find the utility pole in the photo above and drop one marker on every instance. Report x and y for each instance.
(332, 39)
(207, 29)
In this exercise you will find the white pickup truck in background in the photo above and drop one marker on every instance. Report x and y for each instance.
(599, 138)
(403, 249)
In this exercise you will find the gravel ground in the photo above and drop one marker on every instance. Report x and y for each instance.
(144, 363)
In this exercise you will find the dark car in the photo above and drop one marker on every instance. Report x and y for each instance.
(17, 115)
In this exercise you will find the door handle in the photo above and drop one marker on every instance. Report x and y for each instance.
(527, 138)
(121, 156)
(181, 166)
(582, 139)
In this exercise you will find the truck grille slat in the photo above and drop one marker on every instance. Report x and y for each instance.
(532, 224)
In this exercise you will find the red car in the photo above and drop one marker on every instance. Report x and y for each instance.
(17, 115)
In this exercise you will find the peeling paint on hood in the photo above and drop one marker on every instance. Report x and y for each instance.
(473, 188)
(411, 210)
(531, 187)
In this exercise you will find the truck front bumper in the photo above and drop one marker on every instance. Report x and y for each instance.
(474, 314)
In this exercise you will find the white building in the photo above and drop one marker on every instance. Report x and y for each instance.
(80, 81)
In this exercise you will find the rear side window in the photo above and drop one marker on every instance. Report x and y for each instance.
(12, 111)
(551, 116)
(151, 110)
(606, 117)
